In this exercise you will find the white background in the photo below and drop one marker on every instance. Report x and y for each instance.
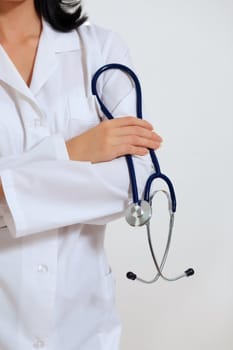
(183, 53)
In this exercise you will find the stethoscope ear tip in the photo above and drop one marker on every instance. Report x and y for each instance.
(189, 272)
(131, 276)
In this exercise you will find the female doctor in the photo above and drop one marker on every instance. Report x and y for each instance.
(62, 177)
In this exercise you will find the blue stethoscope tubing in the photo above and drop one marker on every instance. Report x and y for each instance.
(129, 160)
(139, 205)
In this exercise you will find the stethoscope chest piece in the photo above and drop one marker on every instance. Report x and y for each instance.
(138, 214)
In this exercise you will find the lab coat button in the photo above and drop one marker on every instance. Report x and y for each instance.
(42, 268)
(38, 344)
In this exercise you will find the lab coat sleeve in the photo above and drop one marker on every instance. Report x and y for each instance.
(48, 194)
(43, 193)
(50, 148)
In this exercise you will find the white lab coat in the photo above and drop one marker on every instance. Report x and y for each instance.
(56, 287)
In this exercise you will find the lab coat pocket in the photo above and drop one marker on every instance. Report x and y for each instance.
(107, 305)
(104, 292)
(83, 114)
(109, 285)
(109, 329)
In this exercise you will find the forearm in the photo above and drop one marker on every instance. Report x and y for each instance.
(112, 139)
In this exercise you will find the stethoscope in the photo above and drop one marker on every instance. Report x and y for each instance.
(139, 212)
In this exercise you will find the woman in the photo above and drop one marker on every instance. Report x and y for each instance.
(62, 177)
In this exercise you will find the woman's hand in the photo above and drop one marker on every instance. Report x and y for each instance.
(114, 138)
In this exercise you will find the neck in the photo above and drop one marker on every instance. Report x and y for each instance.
(18, 20)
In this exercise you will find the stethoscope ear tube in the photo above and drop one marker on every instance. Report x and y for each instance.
(159, 267)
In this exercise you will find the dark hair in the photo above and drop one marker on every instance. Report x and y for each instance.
(62, 15)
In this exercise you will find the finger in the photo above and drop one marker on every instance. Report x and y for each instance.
(138, 131)
(130, 121)
(136, 141)
(157, 137)
(122, 150)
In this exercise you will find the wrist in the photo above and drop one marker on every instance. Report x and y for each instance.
(75, 149)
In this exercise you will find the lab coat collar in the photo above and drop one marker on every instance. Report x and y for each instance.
(51, 43)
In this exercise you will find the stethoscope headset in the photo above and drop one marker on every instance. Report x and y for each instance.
(139, 212)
